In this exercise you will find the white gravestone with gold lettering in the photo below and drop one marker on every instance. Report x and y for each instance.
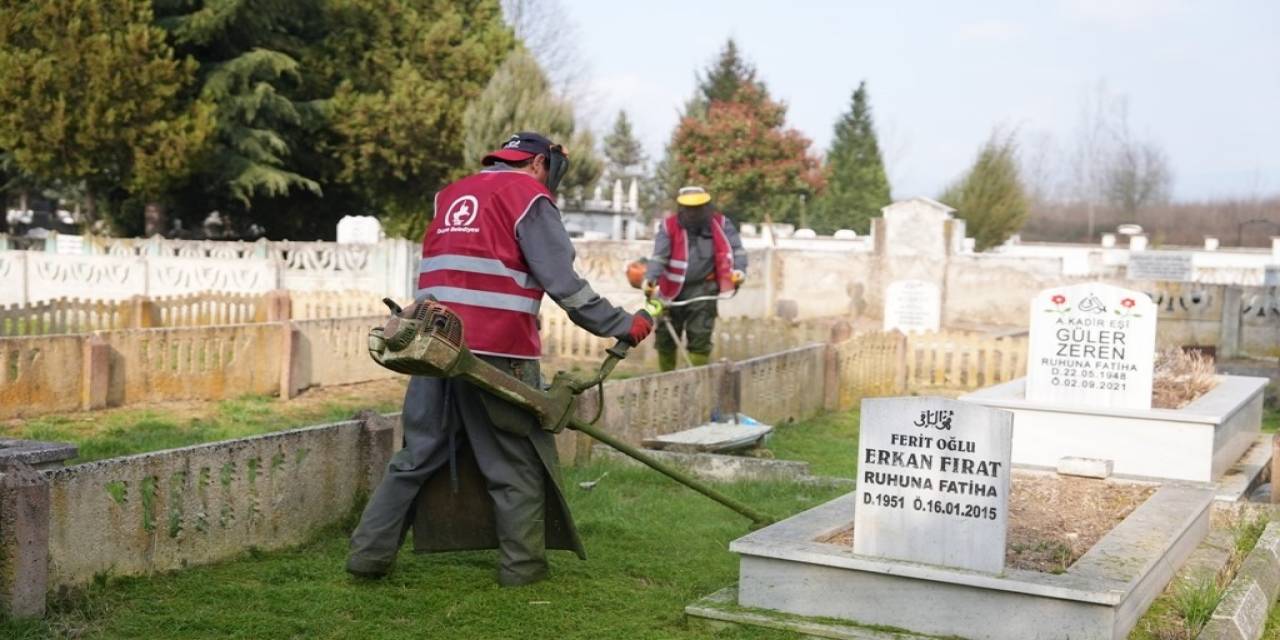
(933, 482)
(1092, 345)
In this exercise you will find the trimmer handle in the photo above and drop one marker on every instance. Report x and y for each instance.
(619, 349)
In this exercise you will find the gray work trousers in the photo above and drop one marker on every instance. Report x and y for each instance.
(514, 473)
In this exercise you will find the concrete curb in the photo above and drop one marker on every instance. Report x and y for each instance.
(1242, 613)
(713, 466)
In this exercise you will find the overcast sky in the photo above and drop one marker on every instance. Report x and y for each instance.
(1201, 78)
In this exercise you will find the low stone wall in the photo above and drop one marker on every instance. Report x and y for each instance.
(168, 510)
(783, 387)
(331, 352)
(205, 363)
(44, 373)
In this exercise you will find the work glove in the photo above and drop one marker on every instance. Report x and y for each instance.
(641, 327)
(738, 277)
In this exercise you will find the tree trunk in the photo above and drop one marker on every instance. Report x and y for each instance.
(155, 220)
(23, 201)
(90, 211)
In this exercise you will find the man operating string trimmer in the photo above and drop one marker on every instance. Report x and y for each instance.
(697, 257)
(494, 247)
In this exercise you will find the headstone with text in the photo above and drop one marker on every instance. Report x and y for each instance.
(1170, 266)
(912, 306)
(1091, 345)
(933, 482)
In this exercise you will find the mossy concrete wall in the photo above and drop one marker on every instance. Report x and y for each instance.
(172, 509)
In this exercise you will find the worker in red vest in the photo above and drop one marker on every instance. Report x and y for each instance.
(697, 253)
(494, 247)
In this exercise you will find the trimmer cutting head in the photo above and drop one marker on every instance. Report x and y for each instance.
(423, 339)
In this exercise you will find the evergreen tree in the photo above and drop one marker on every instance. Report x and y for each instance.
(622, 151)
(248, 70)
(725, 78)
(405, 72)
(95, 96)
(519, 98)
(856, 184)
(990, 197)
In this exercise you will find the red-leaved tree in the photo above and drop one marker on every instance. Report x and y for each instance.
(741, 152)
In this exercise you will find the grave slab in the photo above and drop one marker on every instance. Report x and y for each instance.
(785, 568)
(1198, 442)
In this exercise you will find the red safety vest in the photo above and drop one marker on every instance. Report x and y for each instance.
(672, 279)
(471, 262)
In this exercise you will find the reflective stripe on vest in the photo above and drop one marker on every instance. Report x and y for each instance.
(472, 264)
(487, 299)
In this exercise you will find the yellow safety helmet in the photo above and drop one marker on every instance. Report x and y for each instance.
(693, 196)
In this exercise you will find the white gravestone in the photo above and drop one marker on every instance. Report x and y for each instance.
(933, 482)
(912, 305)
(359, 230)
(1092, 345)
(1171, 266)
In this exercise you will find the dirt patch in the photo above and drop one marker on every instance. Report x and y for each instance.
(1053, 520)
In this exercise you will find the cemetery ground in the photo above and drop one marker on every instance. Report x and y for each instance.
(654, 547)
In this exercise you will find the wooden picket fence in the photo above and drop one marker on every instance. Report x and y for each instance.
(73, 315)
(945, 363)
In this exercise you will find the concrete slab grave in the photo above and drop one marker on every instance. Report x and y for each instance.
(792, 568)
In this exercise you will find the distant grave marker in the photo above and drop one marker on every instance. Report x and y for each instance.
(912, 306)
(933, 482)
(1092, 345)
(359, 230)
(1170, 266)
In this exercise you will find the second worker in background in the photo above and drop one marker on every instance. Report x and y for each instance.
(697, 253)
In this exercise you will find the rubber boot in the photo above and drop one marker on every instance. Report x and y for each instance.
(699, 359)
(666, 361)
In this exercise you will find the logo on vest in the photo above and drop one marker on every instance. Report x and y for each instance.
(461, 215)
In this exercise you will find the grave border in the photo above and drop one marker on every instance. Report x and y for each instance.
(1101, 595)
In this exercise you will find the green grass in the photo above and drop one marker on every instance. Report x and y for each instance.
(829, 443)
(654, 547)
(131, 431)
(1271, 419)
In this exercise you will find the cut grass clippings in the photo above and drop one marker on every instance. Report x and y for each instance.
(119, 432)
(654, 547)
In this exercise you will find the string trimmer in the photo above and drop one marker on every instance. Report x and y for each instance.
(425, 339)
(635, 276)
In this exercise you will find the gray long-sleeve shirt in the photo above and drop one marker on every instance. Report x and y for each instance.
(549, 253)
(701, 256)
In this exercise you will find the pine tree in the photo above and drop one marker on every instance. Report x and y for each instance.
(622, 151)
(990, 197)
(519, 98)
(856, 184)
(94, 96)
(725, 78)
(248, 70)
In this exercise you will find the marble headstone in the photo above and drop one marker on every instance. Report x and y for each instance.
(359, 230)
(912, 306)
(933, 482)
(1091, 345)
